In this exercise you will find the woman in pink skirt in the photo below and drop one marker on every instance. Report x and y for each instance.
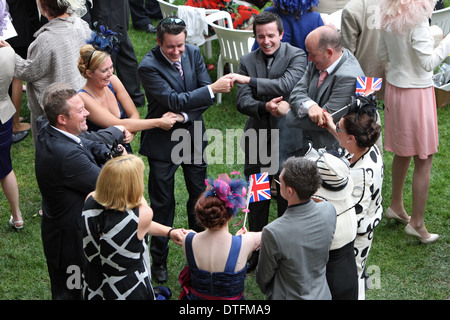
(410, 106)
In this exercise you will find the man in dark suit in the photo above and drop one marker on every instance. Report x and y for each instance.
(187, 91)
(141, 13)
(267, 76)
(66, 171)
(327, 85)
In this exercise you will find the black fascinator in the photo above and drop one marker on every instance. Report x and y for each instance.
(363, 105)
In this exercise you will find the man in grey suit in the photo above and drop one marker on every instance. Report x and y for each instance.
(327, 86)
(267, 76)
(294, 247)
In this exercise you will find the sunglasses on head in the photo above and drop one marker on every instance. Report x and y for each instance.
(176, 21)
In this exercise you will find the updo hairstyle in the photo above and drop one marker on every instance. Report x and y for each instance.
(365, 129)
(90, 59)
(211, 212)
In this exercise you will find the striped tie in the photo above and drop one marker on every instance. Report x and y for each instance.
(180, 70)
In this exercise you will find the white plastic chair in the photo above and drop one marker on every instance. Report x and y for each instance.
(233, 43)
(441, 18)
(169, 9)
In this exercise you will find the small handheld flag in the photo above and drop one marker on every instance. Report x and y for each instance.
(258, 189)
(367, 85)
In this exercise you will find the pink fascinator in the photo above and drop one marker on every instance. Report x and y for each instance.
(398, 16)
(231, 191)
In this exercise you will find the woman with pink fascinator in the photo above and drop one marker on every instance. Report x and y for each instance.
(410, 116)
(217, 260)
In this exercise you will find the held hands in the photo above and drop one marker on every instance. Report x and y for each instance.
(127, 135)
(273, 105)
(168, 120)
(283, 107)
(177, 235)
(317, 115)
(223, 85)
(239, 78)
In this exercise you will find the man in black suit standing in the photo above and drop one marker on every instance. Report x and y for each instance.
(66, 171)
(185, 89)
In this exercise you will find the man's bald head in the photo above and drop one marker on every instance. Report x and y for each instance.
(324, 46)
(325, 37)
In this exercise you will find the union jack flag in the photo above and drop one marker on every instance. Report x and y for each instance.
(260, 187)
(367, 85)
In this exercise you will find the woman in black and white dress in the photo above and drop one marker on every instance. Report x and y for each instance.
(117, 221)
(357, 133)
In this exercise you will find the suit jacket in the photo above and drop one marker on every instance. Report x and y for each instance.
(287, 69)
(166, 91)
(66, 172)
(359, 32)
(333, 94)
(294, 253)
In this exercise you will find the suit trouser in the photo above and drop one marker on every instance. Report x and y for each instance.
(142, 13)
(342, 276)
(258, 217)
(161, 186)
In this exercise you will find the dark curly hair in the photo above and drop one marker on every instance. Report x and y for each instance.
(363, 127)
(211, 212)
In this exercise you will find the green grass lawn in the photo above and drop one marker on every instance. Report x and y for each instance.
(401, 267)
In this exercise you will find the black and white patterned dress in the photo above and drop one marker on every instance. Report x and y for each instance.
(369, 211)
(117, 267)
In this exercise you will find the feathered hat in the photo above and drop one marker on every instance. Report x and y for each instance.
(231, 191)
(104, 39)
(398, 16)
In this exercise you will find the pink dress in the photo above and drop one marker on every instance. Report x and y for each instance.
(410, 121)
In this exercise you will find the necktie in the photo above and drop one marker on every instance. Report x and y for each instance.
(322, 77)
(180, 70)
(269, 60)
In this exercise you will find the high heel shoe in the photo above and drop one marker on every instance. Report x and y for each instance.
(390, 214)
(15, 224)
(410, 231)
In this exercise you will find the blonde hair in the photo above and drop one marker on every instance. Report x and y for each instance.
(90, 58)
(120, 185)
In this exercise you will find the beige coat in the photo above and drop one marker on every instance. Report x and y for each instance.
(7, 61)
(51, 58)
(360, 30)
